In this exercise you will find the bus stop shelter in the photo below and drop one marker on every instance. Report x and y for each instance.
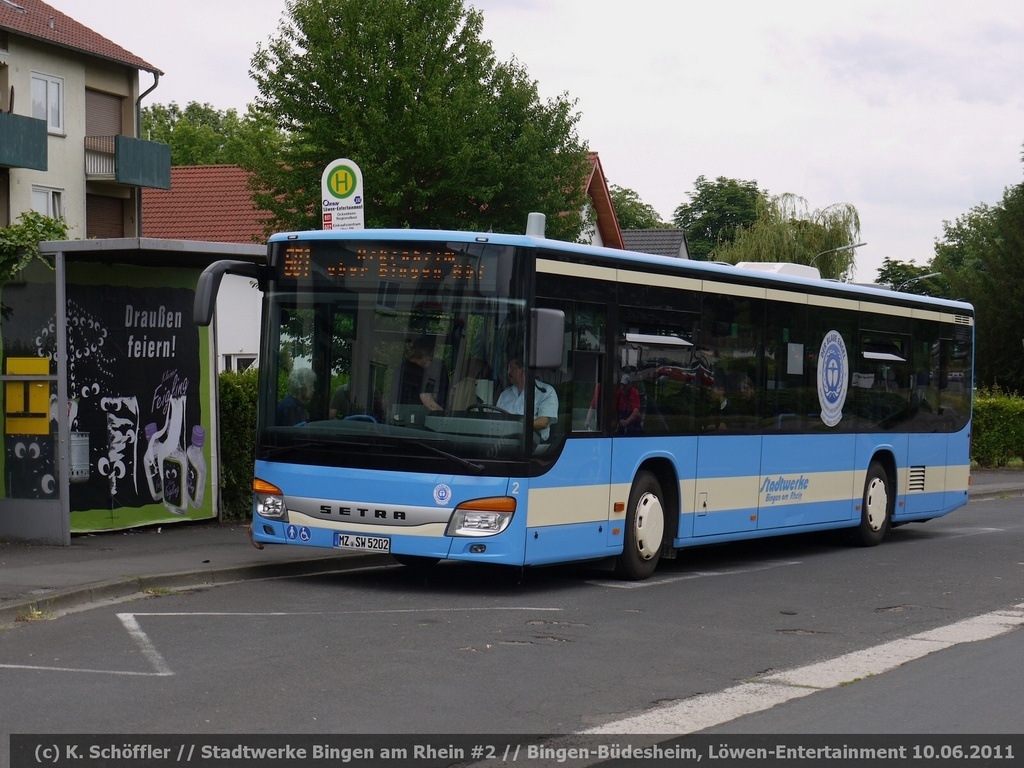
(109, 389)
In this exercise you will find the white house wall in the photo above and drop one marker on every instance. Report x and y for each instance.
(65, 152)
(239, 303)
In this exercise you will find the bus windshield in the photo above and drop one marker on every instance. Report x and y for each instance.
(393, 355)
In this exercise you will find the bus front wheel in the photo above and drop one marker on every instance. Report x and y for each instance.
(876, 507)
(644, 529)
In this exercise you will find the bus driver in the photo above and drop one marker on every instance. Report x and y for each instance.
(545, 401)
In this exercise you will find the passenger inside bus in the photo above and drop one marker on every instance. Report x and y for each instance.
(294, 407)
(341, 403)
(737, 409)
(343, 406)
(627, 407)
(420, 382)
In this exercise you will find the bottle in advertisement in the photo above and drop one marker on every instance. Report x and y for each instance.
(196, 477)
(172, 460)
(151, 461)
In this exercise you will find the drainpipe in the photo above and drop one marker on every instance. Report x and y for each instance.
(138, 135)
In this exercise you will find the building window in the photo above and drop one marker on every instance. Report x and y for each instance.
(48, 101)
(48, 202)
(238, 362)
(104, 217)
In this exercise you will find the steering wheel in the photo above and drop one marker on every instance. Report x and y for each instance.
(360, 417)
(491, 410)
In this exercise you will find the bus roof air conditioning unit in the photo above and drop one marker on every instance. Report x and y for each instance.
(782, 268)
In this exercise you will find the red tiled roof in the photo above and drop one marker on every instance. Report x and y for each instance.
(205, 202)
(36, 19)
(213, 203)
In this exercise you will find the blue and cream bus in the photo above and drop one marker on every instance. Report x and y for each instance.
(764, 402)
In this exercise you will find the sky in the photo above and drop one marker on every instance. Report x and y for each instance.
(910, 111)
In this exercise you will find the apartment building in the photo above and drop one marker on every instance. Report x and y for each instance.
(70, 104)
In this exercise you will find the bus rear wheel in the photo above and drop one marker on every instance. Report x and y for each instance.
(645, 529)
(876, 507)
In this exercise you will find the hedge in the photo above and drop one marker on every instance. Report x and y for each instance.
(238, 394)
(998, 436)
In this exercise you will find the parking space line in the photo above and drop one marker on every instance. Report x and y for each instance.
(141, 639)
(711, 709)
(350, 613)
(122, 672)
(145, 646)
(162, 669)
(659, 581)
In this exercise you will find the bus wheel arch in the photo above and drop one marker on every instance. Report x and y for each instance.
(878, 502)
(651, 518)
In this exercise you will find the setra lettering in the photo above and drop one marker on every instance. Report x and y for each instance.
(363, 512)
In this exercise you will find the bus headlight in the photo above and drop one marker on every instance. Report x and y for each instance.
(482, 517)
(268, 501)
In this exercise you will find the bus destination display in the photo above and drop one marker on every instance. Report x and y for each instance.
(366, 266)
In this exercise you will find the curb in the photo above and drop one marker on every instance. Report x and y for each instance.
(1006, 493)
(114, 590)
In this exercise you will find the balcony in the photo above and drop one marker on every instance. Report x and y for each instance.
(24, 142)
(128, 161)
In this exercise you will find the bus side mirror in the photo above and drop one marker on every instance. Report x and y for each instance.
(547, 333)
(209, 284)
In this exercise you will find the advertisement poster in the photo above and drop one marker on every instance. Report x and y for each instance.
(136, 402)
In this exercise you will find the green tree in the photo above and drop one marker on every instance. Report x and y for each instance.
(199, 134)
(445, 135)
(962, 252)
(980, 255)
(910, 278)
(632, 212)
(716, 211)
(787, 231)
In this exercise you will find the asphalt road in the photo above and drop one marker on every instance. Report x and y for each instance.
(560, 650)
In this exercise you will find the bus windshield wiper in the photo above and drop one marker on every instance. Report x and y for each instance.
(478, 468)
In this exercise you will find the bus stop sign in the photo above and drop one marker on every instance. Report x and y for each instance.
(341, 195)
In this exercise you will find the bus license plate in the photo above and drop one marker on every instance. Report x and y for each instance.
(371, 543)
